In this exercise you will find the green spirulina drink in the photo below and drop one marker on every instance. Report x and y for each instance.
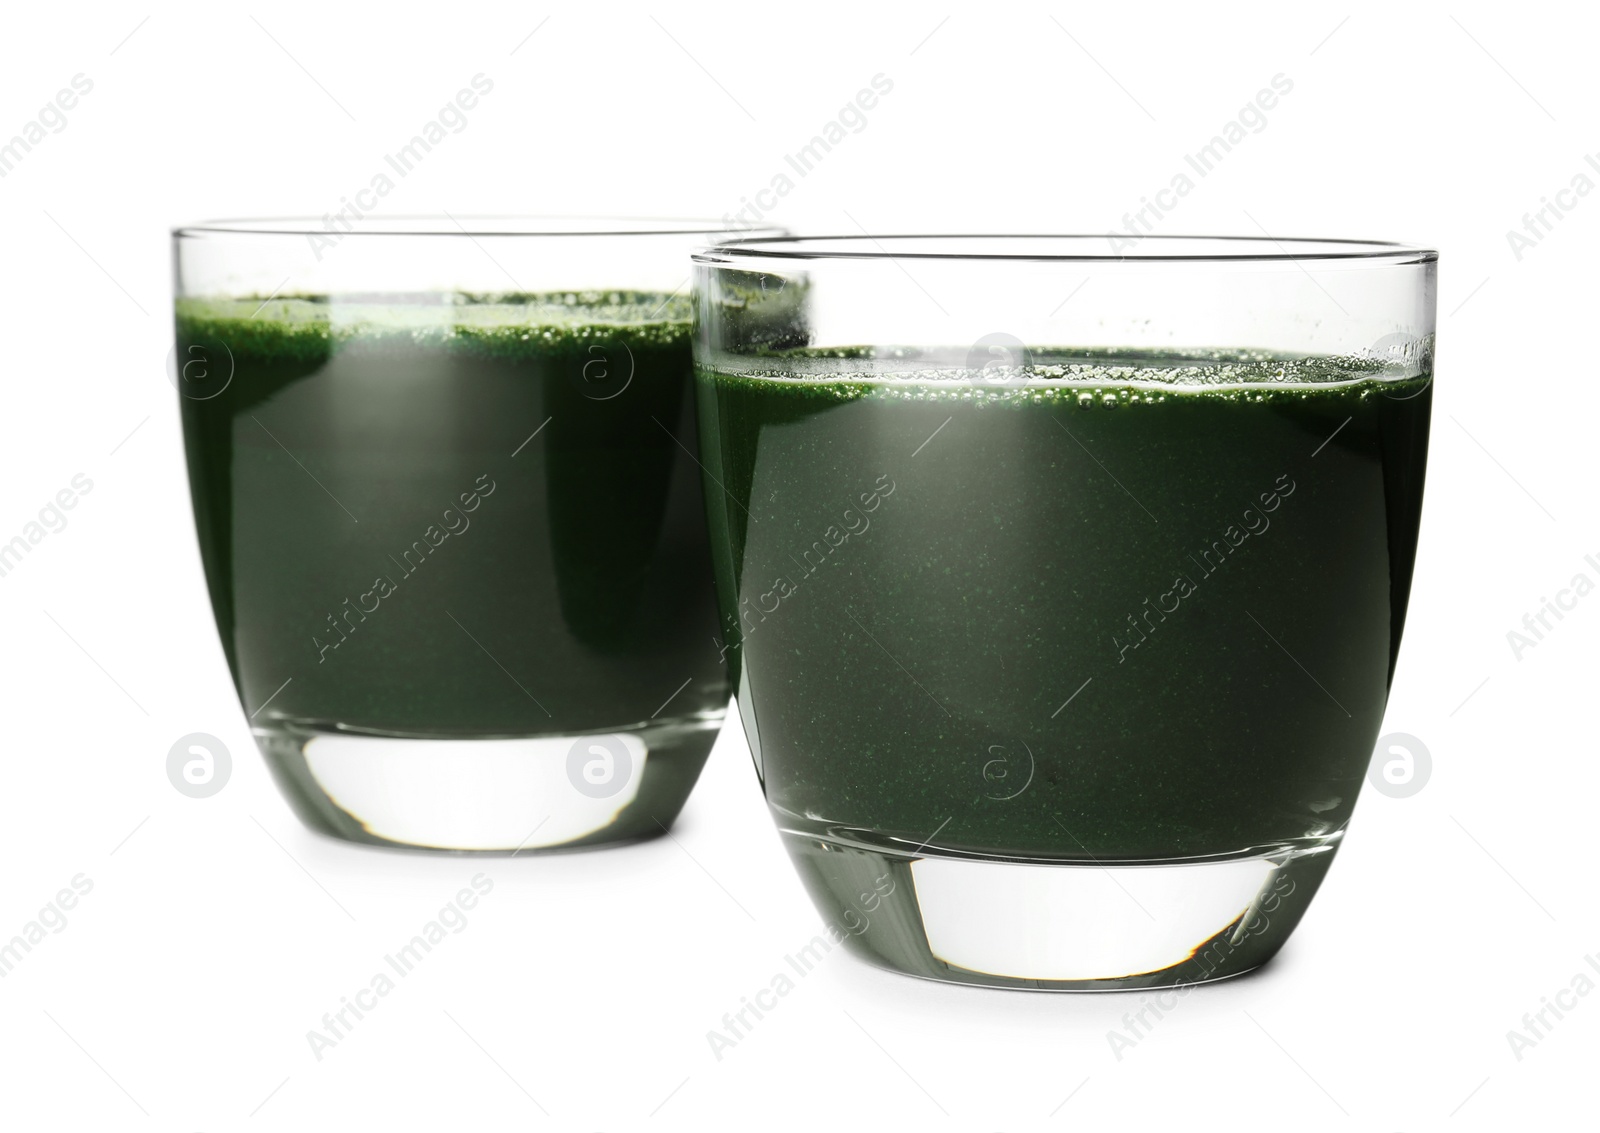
(1128, 609)
(464, 519)
(1063, 579)
(1138, 607)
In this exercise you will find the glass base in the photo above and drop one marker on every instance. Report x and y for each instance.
(500, 794)
(1056, 926)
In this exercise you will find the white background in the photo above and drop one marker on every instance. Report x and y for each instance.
(219, 931)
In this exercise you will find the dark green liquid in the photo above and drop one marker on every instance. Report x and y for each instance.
(379, 531)
(912, 616)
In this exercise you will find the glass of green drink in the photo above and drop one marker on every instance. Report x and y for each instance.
(1063, 580)
(451, 522)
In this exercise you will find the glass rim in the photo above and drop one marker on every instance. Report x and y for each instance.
(491, 225)
(1069, 248)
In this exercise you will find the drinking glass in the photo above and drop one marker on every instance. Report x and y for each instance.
(450, 519)
(1063, 580)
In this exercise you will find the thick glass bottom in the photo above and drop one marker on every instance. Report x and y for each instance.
(493, 794)
(1055, 925)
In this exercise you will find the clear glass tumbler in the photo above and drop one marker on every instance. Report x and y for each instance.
(1063, 580)
(451, 522)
